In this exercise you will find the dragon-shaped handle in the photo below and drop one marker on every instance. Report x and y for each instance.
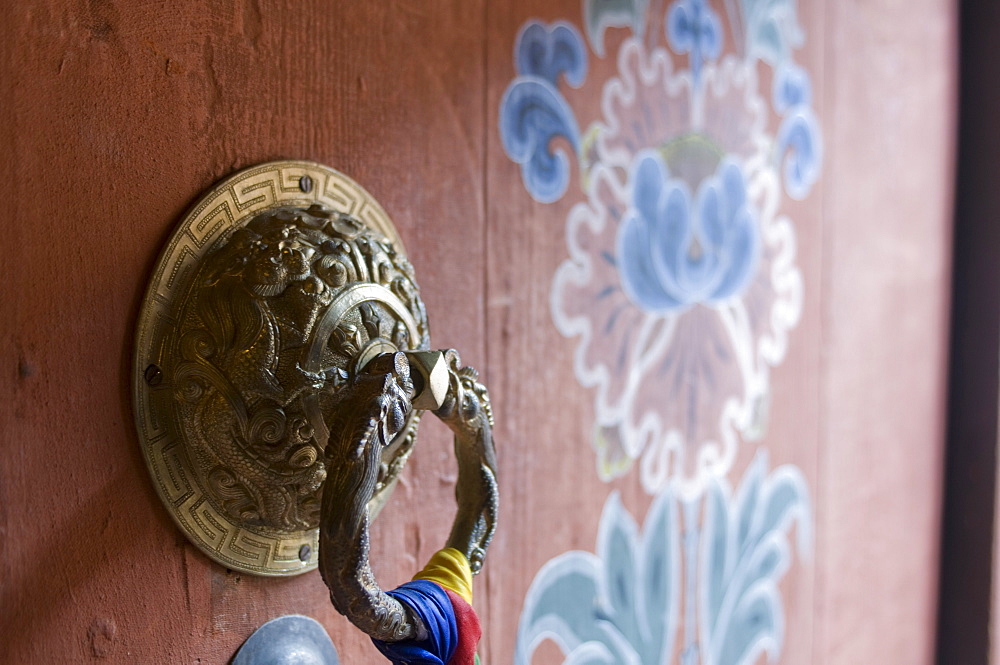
(281, 368)
(371, 410)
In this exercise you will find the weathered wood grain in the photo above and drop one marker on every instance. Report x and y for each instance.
(558, 497)
(116, 116)
(889, 119)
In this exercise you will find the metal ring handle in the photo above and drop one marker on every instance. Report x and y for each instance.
(371, 410)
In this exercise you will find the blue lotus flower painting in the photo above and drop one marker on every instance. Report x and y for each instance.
(675, 250)
(680, 286)
(718, 577)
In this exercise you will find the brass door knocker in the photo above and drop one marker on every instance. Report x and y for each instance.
(282, 363)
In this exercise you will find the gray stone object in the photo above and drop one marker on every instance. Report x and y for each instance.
(288, 640)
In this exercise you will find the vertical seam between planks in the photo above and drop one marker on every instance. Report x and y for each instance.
(484, 302)
(484, 308)
(820, 654)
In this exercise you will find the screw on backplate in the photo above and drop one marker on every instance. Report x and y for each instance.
(153, 375)
(304, 553)
(306, 184)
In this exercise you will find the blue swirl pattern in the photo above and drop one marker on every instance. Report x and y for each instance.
(549, 51)
(693, 28)
(533, 112)
(673, 252)
(798, 139)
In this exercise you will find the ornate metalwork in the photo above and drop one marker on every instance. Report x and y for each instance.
(467, 411)
(372, 412)
(266, 301)
(282, 314)
(280, 372)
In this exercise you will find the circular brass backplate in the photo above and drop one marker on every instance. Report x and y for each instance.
(208, 421)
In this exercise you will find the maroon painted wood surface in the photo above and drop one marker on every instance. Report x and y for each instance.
(887, 236)
(117, 115)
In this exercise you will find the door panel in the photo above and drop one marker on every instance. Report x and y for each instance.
(118, 115)
(558, 315)
(123, 114)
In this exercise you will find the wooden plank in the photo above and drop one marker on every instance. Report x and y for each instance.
(118, 116)
(551, 497)
(889, 117)
(557, 497)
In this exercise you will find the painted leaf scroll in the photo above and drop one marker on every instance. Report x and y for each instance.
(714, 562)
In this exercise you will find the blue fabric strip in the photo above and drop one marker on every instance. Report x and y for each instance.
(428, 601)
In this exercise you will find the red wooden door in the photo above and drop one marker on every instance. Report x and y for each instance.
(714, 329)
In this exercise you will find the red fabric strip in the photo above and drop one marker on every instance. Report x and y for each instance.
(469, 631)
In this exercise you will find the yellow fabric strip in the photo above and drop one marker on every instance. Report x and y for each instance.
(450, 569)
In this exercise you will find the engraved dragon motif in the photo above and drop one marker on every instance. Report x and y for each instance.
(271, 332)
(372, 411)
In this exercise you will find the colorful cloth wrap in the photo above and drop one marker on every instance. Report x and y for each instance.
(440, 596)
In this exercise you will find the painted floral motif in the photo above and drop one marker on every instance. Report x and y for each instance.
(693, 28)
(623, 605)
(534, 110)
(617, 606)
(674, 250)
(681, 284)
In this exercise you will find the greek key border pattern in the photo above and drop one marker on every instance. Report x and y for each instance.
(231, 204)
